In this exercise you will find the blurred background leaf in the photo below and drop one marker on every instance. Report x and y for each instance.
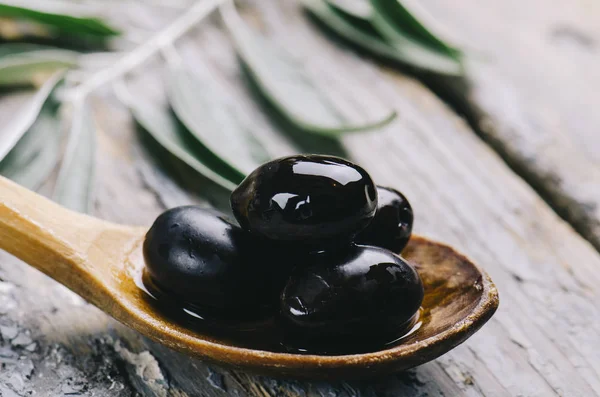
(22, 64)
(19, 48)
(401, 19)
(364, 30)
(36, 154)
(14, 130)
(75, 183)
(216, 124)
(289, 86)
(159, 122)
(60, 16)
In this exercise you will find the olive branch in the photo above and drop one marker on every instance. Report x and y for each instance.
(196, 122)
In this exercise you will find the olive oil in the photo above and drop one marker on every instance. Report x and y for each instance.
(266, 333)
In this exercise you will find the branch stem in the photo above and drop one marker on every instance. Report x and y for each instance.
(146, 50)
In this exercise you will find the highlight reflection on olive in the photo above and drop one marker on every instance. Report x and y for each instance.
(312, 200)
(201, 258)
(368, 291)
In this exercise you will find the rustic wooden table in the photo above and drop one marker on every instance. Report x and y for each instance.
(492, 175)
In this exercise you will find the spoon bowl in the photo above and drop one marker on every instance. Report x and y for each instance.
(100, 261)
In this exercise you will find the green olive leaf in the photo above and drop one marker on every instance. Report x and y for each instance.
(398, 23)
(353, 27)
(357, 8)
(214, 122)
(59, 15)
(293, 91)
(36, 154)
(162, 126)
(75, 183)
(26, 67)
(18, 48)
(25, 119)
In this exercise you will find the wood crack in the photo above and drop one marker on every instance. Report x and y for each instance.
(580, 215)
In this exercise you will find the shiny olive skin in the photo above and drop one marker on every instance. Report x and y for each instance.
(199, 257)
(312, 199)
(367, 293)
(392, 225)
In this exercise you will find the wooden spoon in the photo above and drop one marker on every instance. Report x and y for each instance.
(99, 261)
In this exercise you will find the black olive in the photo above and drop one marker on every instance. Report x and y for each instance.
(199, 257)
(369, 293)
(392, 225)
(311, 199)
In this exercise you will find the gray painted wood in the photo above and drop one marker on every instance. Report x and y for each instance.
(534, 93)
(540, 343)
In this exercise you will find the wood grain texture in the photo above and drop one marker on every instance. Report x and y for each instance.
(540, 342)
(534, 82)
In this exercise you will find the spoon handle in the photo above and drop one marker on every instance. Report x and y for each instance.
(72, 248)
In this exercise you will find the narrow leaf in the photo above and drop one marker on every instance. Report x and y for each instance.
(357, 8)
(296, 93)
(400, 27)
(161, 125)
(401, 15)
(74, 187)
(33, 158)
(23, 121)
(59, 15)
(27, 67)
(363, 34)
(216, 124)
(341, 16)
(17, 48)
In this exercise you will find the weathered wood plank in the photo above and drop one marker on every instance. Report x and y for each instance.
(534, 93)
(540, 342)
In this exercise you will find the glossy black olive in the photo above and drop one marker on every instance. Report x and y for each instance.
(392, 225)
(368, 293)
(198, 256)
(313, 199)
